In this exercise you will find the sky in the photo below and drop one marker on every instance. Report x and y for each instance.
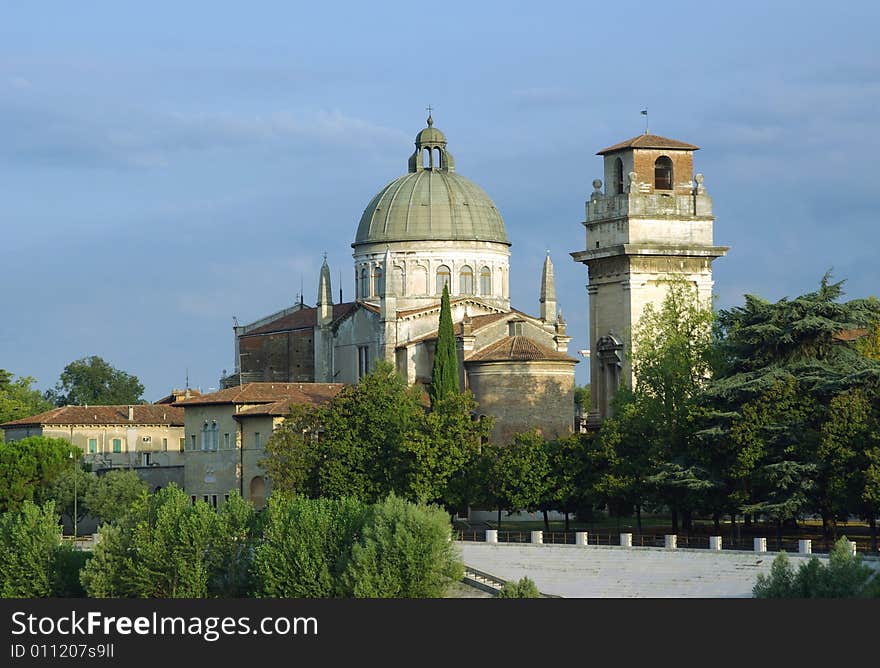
(167, 166)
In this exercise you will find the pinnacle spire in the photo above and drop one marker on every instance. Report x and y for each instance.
(548, 291)
(325, 292)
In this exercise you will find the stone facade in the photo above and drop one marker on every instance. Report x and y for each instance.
(524, 395)
(226, 434)
(147, 438)
(652, 222)
(427, 228)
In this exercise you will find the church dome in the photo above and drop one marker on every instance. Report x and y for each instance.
(431, 202)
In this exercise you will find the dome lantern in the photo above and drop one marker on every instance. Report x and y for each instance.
(431, 151)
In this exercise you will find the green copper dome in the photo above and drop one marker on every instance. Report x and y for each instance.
(431, 202)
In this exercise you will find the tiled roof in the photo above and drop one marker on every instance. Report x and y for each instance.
(282, 407)
(177, 395)
(302, 319)
(649, 141)
(268, 393)
(436, 306)
(98, 415)
(478, 322)
(518, 349)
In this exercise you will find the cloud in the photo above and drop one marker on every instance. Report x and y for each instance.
(19, 82)
(51, 135)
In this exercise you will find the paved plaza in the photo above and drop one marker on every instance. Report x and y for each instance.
(619, 572)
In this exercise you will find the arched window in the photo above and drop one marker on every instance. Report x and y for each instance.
(618, 176)
(420, 281)
(466, 281)
(485, 281)
(377, 281)
(443, 278)
(427, 159)
(364, 289)
(663, 173)
(258, 491)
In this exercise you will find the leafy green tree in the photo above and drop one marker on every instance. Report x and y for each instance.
(18, 399)
(71, 481)
(567, 461)
(113, 494)
(29, 538)
(582, 397)
(844, 576)
(28, 467)
(671, 359)
(523, 588)
(167, 547)
(93, 381)
(778, 367)
(440, 451)
(233, 551)
(404, 551)
(365, 430)
(305, 546)
(293, 454)
(375, 438)
(444, 376)
(521, 471)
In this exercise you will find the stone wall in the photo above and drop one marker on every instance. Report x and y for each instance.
(524, 395)
(282, 356)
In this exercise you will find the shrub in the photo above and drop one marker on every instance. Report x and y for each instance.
(32, 561)
(525, 588)
(845, 576)
(405, 551)
(305, 546)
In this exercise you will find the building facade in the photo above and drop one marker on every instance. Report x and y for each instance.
(653, 221)
(226, 432)
(429, 228)
(148, 438)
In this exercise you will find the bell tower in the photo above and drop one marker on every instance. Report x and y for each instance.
(652, 222)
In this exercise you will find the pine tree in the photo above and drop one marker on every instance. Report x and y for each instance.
(444, 377)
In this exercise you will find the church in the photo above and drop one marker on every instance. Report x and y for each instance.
(429, 228)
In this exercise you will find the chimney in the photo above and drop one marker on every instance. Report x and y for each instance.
(131, 413)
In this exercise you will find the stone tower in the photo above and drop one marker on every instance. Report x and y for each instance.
(652, 222)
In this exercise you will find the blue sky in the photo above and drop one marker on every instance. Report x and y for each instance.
(167, 166)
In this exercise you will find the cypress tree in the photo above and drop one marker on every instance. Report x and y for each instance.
(444, 376)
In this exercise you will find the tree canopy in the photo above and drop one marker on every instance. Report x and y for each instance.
(375, 438)
(29, 466)
(18, 399)
(93, 381)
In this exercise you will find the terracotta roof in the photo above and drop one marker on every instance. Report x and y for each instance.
(282, 407)
(143, 414)
(649, 141)
(268, 393)
(436, 306)
(177, 395)
(302, 319)
(518, 349)
(478, 322)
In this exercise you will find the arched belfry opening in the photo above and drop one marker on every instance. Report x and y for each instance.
(618, 176)
(663, 173)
